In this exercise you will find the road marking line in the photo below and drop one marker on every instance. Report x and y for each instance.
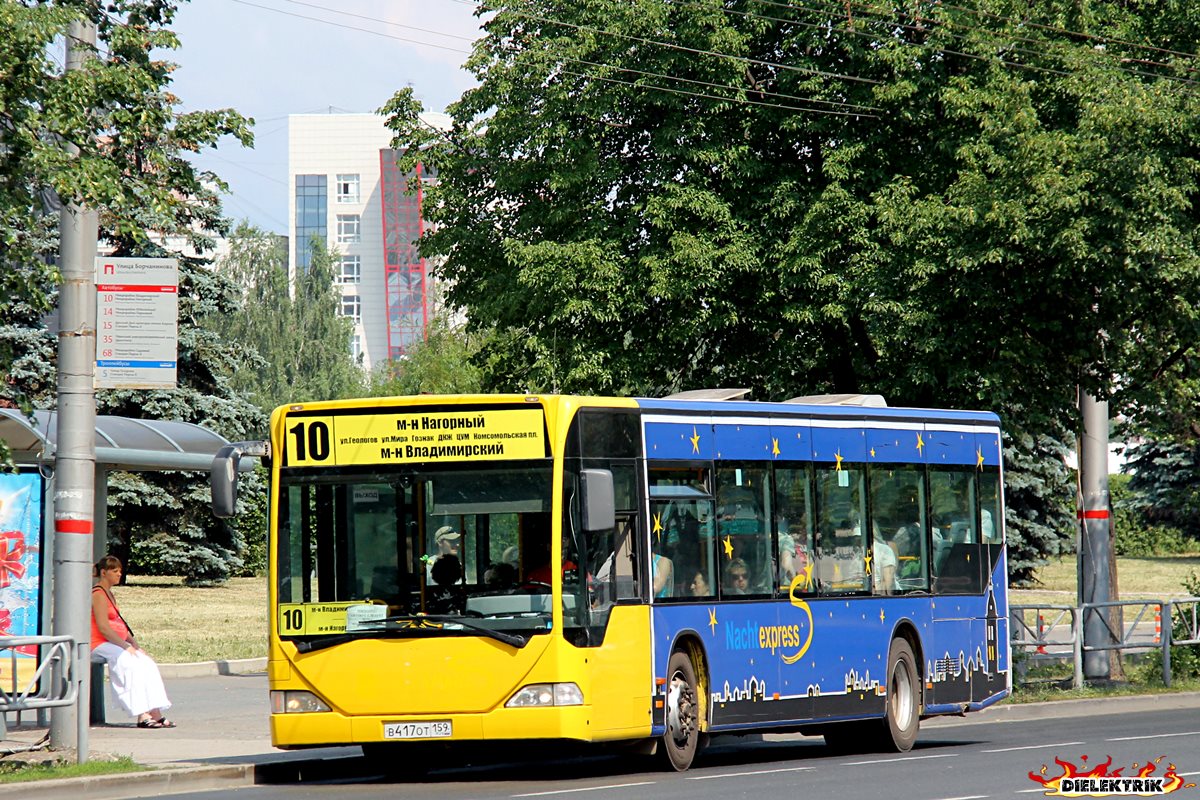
(1155, 736)
(743, 774)
(1031, 747)
(894, 760)
(967, 797)
(586, 789)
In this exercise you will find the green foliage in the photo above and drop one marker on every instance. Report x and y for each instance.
(1163, 485)
(291, 330)
(1134, 534)
(441, 364)
(1039, 495)
(128, 160)
(953, 206)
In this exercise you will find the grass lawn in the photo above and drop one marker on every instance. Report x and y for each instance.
(20, 771)
(1138, 579)
(178, 624)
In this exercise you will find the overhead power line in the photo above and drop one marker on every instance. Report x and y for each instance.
(857, 109)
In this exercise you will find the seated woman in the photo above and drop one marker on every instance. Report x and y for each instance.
(135, 678)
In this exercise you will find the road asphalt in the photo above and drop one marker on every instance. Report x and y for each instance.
(223, 740)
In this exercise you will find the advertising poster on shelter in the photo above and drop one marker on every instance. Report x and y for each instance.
(20, 560)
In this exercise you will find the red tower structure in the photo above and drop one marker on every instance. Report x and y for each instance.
(406, 281)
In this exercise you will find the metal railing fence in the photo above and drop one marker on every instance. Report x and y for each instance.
(1050, 632)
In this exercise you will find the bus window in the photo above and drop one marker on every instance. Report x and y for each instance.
(991, 530)
(898, 514)
(956, 562)
(681, 547)
(793, 525)
(743, 532)
(841, 546)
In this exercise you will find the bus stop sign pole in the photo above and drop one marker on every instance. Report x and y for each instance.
(75, 458)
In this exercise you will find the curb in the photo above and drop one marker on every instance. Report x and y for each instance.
(278, 769)
(201, 669)
(135, 784)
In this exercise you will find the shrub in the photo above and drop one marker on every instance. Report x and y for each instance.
(1135, 535)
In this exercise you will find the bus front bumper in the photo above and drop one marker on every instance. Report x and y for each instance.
(331, 728)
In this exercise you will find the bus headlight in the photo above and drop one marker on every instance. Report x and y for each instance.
(294, 702)
(546, 694)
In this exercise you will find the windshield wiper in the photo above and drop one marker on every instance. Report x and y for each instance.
(410, 622)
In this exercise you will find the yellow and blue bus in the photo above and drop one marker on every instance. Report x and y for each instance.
(448, 570)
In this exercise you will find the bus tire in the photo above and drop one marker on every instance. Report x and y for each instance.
(681, 713)
(902, 719)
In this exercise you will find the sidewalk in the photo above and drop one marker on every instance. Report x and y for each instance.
(223, 740)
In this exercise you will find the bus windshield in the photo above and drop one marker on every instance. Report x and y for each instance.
(465, 543)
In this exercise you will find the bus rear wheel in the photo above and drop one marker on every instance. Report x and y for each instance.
(897, 731)
(903, 717)
(682, 712)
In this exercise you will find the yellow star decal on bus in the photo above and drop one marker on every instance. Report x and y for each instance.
(867, 561)
(872, 452)
(807, 577)
(658, 528)
(920, 444)
(838, 456)
(712, 620)
(728, 547)
(881, 617)
(695, 440)
(979, 458)
(775, 447)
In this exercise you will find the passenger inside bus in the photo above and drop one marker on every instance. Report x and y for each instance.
(447, 595)
(699, 586)
(741, 522)
(737, 578)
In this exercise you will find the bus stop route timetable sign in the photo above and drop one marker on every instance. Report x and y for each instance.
(137, 323)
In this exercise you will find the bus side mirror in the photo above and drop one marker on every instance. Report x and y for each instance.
(224, 472)
(598, 501)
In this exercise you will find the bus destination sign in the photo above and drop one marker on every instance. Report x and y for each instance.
(402, 438)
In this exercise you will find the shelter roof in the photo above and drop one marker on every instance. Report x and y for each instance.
(121, 442)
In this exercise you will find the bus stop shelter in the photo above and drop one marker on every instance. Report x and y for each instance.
(122, 443)
(27, 498)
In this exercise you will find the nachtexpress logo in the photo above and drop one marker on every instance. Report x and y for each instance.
(1101, 781)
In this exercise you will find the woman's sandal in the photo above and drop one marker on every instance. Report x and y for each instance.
(155, 723)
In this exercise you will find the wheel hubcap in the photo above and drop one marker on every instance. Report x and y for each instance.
(902, 697)
(681, 710)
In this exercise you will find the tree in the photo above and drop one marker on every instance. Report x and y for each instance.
(441, 364)
(951, 205)
(295, 327)
(130, 166)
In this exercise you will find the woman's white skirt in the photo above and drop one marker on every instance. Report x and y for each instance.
(135, 679)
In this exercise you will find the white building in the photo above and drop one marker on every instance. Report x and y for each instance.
(344, 186)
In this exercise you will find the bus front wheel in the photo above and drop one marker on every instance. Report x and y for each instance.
(903, 719)
(682, 737)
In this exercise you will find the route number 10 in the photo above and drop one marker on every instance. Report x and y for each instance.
(309, 442)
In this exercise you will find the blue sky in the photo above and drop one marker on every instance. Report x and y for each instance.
(271, 58)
